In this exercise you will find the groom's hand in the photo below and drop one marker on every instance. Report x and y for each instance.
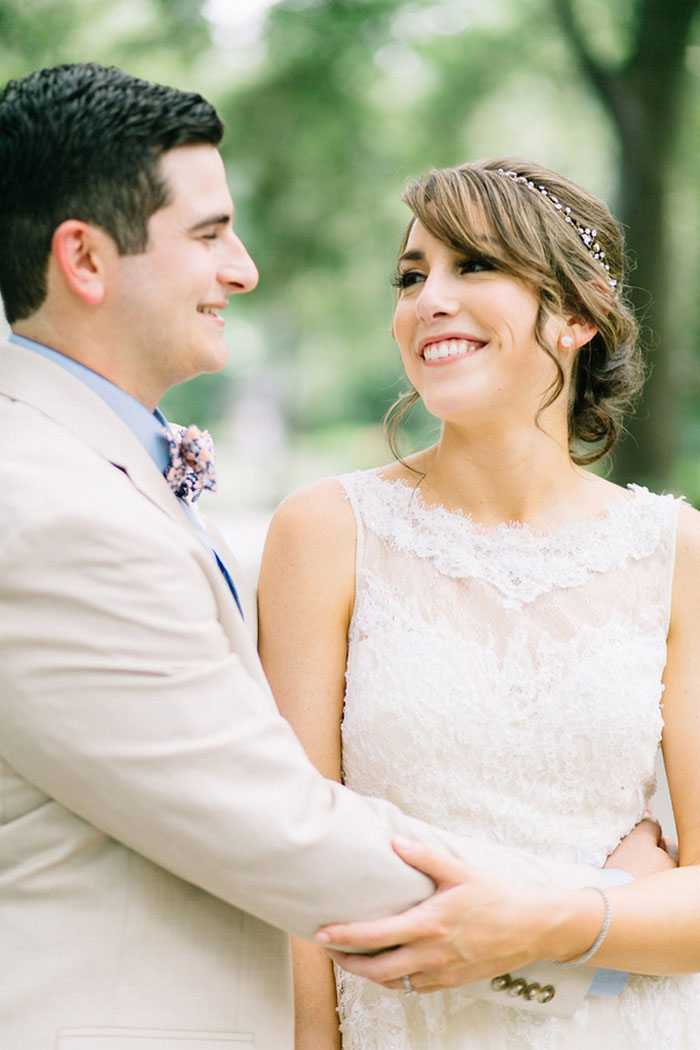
(474, 927)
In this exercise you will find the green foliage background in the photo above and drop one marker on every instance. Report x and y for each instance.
(330, 108)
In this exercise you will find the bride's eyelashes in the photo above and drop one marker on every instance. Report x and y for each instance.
(476, 264)
(403, 279)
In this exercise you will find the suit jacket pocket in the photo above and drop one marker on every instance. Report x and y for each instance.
(151, 1039)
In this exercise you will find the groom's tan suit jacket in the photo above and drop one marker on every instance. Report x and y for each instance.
(160, 825)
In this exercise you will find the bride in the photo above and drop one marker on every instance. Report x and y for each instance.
(486, 625)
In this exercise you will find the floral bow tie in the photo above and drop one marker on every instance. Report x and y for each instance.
(192, 462)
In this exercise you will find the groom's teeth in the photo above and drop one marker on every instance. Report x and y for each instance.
(449, 348)
(209, 310)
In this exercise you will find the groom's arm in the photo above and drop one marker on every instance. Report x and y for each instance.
(122, 701)
(491, 926)
(129, 709)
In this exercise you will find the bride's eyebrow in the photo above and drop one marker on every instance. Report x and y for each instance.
(415, 255)
(412, 256)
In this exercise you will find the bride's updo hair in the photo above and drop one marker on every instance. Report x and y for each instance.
(538, 226)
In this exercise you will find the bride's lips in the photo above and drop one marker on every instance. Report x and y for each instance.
(448, 347)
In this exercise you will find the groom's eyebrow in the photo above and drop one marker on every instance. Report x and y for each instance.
(214, 220)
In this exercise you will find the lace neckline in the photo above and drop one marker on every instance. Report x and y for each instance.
(523, 529)
(521, 561)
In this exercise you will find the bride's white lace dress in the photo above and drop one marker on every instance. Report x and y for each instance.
(507, 684)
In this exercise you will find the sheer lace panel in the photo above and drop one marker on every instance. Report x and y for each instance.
(505, 683)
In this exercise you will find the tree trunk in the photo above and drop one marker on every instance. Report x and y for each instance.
(644, 99)
(648, 453)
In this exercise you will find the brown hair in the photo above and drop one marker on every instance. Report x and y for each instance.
(476, 209)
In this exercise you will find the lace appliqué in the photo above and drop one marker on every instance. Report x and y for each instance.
(508, 684)
(518, 560)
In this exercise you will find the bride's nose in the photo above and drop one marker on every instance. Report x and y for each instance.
(438, 297)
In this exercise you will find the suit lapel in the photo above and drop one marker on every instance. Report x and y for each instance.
(26, 376)
(246, 590)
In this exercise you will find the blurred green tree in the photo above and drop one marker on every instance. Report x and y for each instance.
(645, 94)
(341, 101)
(356, 95)
(149, 36)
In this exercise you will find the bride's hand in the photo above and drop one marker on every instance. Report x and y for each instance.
(473, 928)
(644, 851)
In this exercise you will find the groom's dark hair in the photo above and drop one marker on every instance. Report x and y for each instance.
(83, 142)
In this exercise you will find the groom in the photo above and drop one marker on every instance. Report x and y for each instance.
(161, 826)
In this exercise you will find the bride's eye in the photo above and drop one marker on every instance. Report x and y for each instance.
(475, 265)
(407, 278)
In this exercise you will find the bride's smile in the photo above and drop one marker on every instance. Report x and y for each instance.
(466, 332)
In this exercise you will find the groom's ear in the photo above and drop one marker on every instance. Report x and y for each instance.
(81, 254)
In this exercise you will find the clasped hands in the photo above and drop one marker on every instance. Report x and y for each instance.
(475, 926)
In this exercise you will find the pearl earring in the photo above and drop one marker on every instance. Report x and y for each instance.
(566, 342)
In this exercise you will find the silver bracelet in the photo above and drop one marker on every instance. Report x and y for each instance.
(601, 936)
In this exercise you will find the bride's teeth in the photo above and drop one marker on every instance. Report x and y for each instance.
(448, 348)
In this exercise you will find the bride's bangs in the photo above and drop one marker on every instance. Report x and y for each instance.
(478, 216)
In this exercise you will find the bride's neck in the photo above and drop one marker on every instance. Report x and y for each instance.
(523, 477)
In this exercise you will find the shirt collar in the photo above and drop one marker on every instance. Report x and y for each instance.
(147, 426)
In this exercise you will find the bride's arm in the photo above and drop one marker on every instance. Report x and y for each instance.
(305, 599)
(655, 925)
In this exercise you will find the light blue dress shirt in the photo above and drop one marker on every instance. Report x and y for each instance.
(611, 982)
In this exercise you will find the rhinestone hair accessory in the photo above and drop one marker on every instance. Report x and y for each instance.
(586, 234)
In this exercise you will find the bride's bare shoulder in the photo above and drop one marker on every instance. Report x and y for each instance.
(312, 533)
(687, 567)
(321, 511)
(319, 507)
(306, 582)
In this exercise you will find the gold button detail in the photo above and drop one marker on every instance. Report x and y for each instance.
(517, 987)
(546, 993)
(499, 984)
